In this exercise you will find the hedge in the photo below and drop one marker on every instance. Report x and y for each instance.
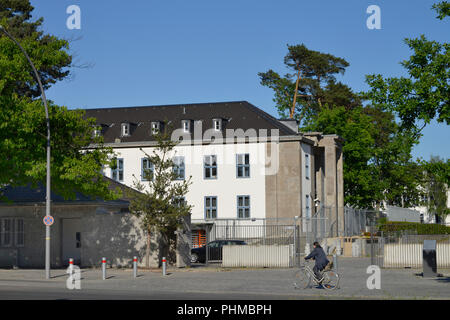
(420, 228)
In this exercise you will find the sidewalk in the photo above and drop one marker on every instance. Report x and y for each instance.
(269, 283)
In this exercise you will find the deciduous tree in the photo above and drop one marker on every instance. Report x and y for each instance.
(74, 166)
(160, 204)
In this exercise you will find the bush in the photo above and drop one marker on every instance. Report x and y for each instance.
(419, 228)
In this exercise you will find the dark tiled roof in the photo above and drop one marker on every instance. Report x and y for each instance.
(30, 194)
(237, 115)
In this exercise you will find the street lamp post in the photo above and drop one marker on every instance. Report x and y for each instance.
(47, 203)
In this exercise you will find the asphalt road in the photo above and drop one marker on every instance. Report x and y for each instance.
(220, 284)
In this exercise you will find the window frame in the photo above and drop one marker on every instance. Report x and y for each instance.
(243, 166)
(217, 122)
(210, 208)
(307, 166)
(186, 125)
(210, 167)
(3, 232)
(150, 167)
(125, 129)
(180, 201)
(17, 233)
(177, 168)
(97, 132)
(307, 206)
(243, 207)
(118, 170)
(158, 127)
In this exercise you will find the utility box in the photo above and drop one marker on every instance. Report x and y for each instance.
(429, 258)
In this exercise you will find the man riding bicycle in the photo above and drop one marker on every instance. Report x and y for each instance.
(320, 258)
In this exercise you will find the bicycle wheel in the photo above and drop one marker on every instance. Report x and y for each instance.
(330, 280)
(301, 280)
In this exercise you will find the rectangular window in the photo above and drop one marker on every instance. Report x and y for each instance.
(217, 124)
(186, 124)
(243, 207)
(125, 129)
(20, 233)
(210, 207)
(307, 165)
(210, 167)
(308, 207)
(147, 170)
(243, 165)
(117, 172)
(97, 132)
(6, 232)
(156, 127)
(180, 201)
(178, 167)
(78, 240)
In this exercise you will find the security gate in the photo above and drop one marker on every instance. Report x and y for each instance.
(260, 242)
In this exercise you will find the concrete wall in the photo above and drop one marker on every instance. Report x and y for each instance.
(105, 232)
(284, 189)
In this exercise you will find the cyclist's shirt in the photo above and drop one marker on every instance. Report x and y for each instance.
(320, 258)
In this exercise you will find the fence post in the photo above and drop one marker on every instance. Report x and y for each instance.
(372, 258)
(134, 267)
(208, 229)
(295, 241)
(104, 268)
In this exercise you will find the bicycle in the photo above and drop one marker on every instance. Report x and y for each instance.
(305, 275)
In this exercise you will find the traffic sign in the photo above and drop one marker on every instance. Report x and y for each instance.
(48, 220)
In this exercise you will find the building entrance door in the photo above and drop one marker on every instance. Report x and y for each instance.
(71, 235)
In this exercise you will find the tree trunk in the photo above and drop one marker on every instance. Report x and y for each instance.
(295, 93)
(147, 250)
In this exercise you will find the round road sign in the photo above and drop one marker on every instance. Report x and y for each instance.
(48, 220)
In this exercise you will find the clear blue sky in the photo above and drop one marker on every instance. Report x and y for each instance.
(145, 52)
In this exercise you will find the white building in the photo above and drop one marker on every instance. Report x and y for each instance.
(244, 164)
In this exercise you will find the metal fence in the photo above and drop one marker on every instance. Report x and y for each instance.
(267, 240)
(359, 221)
(403, 248)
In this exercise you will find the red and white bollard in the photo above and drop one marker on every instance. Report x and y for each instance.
(70, 266)
(164, 266)
(135, 267)
(104, 268)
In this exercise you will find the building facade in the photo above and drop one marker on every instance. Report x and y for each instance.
(244, 164)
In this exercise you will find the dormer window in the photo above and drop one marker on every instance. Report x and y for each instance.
(217, 124)
(96, 132)
(125, 129)
(186, 125)
(156, 127)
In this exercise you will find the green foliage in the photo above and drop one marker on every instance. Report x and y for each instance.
(23, 142)
(443, 9)
(315, 72)
(159, 204)
(23, 133)
(49, 54)
(419, 228)
(355, 127)
(422, 96)
(436, 181)
(377, 153)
